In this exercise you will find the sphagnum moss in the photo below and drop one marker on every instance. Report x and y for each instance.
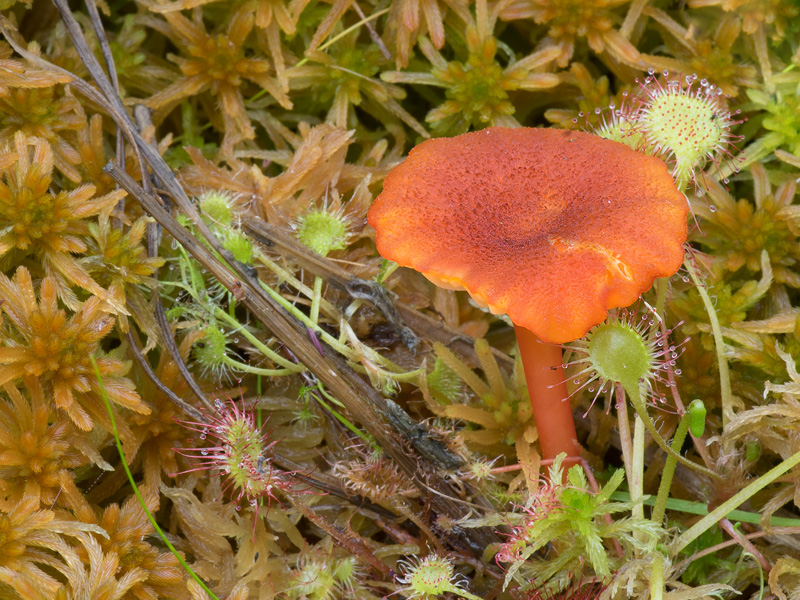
(280, 110)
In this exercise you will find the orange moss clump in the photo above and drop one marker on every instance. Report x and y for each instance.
(34, 449)
(152, 573)
(218, 64)
(48, 114)
(568, 20)
(47, 345)
(30, 539)
(34, 220)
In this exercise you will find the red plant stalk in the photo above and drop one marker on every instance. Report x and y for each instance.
(547, 388)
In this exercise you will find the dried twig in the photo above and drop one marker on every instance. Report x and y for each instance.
(148, 370)
(335, 276)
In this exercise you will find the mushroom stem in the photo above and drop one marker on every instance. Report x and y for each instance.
(547, 388)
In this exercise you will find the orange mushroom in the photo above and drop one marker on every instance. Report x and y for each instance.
(551, 227)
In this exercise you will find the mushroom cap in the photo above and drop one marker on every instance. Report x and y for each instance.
(551, 227)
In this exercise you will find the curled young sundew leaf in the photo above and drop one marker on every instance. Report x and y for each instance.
(697, 418)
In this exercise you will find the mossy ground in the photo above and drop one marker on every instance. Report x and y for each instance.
(378, 423)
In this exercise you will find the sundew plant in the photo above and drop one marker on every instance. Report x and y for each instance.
(242, 355)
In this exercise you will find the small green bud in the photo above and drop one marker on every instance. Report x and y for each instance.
(217, 206)
(387, 268)
(240, 246)
(697, 418)
(345, 572)
(323, 231)
(752, 451)
(210, 352)
(443, 382)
